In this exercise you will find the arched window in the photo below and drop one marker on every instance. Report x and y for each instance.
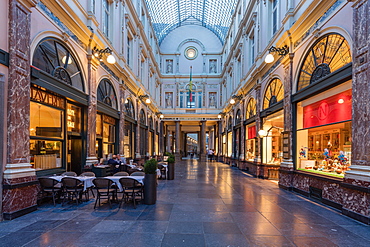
(106, 93)
(274, 93)
(230, 124)
(129, 108)
(54, 58)
(142, 119)
(328, 54)
(238, 118)
(251, 109)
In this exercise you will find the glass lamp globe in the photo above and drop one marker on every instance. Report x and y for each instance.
(269, 58)
(261, 132)
(111, 59)
(147, 101)
(65, 58)
(232, 101)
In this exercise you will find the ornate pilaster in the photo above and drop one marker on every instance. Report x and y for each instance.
(219, 133)
(356, 199)
(203, 156)
(91, 116)
(19, 185)
(286, 166)
(258, 149)
(121, 134)
(177, 149)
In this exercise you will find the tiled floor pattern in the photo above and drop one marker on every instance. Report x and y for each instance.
(208, 204)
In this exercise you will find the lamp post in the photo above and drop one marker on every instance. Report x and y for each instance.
(98, 53)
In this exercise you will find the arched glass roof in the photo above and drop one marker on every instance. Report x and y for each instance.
(167, 15)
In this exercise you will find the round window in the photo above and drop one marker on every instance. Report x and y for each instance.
(191, 52)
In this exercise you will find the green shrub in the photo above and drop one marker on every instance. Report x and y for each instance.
(171, 160)
(151, 166)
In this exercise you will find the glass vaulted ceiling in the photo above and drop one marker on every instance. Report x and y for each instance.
(167, 15)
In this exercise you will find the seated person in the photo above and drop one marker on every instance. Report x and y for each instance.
(114, 163)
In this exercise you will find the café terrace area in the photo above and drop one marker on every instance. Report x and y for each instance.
(207, 204)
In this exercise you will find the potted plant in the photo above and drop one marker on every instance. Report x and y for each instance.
(150, 182)
(171, 167)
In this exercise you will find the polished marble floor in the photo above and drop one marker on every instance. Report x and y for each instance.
(208, 204)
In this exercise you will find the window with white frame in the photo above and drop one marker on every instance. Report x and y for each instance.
(129, 51)
(252, 48)
(106, 16)
(274, 12)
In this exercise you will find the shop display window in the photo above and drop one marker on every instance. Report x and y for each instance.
(229, 144)
(272, 139)
(45, 154)
(324, 133)
(73, 118)
(250, 143)
(45, 121)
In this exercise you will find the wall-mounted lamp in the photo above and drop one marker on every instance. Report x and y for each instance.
(234, 98)
(145, 98)
(220, 115)
(98, 53)
(281, 51)
(160, 115)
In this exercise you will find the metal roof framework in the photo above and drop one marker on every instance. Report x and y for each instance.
(167, 15)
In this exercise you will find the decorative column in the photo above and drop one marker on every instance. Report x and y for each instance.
(121, 133)
(203, 155)
(91, 116)
(242, 136)
(356, 184)
(19, 180)
(161, 138)
(286, 166)
(219, 133)
(258, 157)
(168, 149)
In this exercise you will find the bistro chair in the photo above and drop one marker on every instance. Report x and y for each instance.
(131, 190)
(72, 174)
(72, 188)
(138, 174)
(121, 174)
(104, 188)
(49, 187)
(88, 174)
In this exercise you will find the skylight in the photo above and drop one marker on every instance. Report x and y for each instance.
(167, 15)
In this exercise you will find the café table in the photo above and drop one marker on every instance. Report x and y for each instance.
(116, 179)
(88, 181)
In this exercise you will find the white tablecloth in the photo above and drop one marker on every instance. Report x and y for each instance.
(86, 180)
(116, 179)
(164, 164)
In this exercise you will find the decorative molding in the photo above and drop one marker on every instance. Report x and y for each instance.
(19, 170)
(60, 24)
(319, 22)
(109, 71)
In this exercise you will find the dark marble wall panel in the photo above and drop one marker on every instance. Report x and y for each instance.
(19, 83)
(92, 108)
(301, 182)
(356, 201)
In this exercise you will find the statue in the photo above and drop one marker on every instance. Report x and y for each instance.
(169, 67)
(168, 100)
(212, 66)
(212, 100)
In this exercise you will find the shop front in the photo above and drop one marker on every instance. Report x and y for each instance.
(250, 159)
(130, 130)
(323, 124)
(271, 130)
(57, 110)
(237, 139)
(229, 142)
(107, 119)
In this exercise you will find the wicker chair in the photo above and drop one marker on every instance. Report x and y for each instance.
(163, 171)
(87, 174)
(48, 186)
(121, 174)
(72, 188)
(138, 174)
(131, 189)
(104, 188)
(72, 174)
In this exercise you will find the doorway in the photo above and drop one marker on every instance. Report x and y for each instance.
(74, 154)
(191, 147)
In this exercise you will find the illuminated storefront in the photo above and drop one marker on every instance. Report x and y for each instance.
(57, 109)
(250, 131)
(130, 130)
(324, 128)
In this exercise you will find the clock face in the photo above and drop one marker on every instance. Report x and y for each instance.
(191, 53)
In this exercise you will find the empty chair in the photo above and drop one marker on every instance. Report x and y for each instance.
(104, 188)
(138, 174)
(131, 190)
(87, 174)
(121, 174)
(72, 188)
(72, 174)
(49, 186)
